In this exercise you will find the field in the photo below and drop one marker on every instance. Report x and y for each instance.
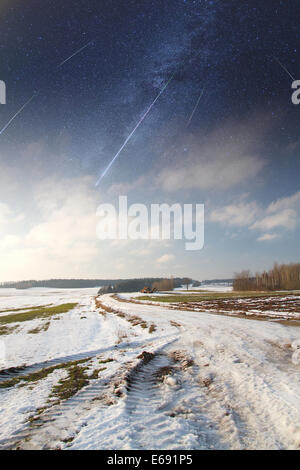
(208, 295)
(258, 305)
(184, 371)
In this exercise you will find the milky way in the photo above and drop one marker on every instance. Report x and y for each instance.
(96, 95)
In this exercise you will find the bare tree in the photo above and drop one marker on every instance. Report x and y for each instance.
(164, 284)
(186, 282)
(285, 276)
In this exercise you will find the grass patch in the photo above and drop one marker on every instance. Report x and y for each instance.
(4, 330)
(24, 308)
(39, 375)
(42, 312)
(105, 361)
(66, 388)
(210, 296)
(76, 380)
(39, 329)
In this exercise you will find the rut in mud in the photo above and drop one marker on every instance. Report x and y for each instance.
(143, 382)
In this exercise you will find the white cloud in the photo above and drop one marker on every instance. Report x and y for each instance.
(165, 259)
(141, 252)
(228, 157)
(5, 213)
(63, 239)
(57, 237)
(285, 203)
(125, 188)
(267, 237)
(281, 214)
(286, 218)
(8, 217)
(242, 214)
(219, 173)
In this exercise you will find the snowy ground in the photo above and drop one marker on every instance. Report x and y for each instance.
(219, 287)
(211, 382)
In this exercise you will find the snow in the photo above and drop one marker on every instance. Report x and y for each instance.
(68, 335)
(37, 296)
(214, 382)
(218, 287)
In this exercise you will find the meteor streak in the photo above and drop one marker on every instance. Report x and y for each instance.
(75, 53)
(132, 132)
(194, 110)
(17, 113)
(284, 68)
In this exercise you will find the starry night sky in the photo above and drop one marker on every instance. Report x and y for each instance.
(84, 109)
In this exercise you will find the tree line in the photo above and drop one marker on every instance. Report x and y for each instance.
(280, 277)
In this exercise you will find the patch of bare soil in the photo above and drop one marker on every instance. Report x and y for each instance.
(182, 358)
(134, 320)
(276, 307)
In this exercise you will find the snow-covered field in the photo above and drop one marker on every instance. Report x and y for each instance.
(218, 287)
(160, 378)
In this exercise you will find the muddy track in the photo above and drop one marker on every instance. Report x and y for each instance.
(142, 420)
(61, 422)
(19, 371)
(149, 406)
(143, 382)
(146, 416)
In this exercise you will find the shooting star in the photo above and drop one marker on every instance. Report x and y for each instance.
(285, 69)
(17, 113)
(75, 53)
(132, 132)
(194, 110)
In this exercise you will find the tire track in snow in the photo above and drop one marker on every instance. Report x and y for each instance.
(148, 407)
(62, 421)
(142, 384)
(144, 421)
(59, 422)
(15, 372)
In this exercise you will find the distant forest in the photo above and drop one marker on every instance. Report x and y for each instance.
(280, 277)
(121, 285)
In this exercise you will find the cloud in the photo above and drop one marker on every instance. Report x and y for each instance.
(125, 188)
(285, 203)
(220, 173)
(61, 239)
(67, 213)
(5, 213)
(267, 237)
(165, 259)
(281, 214)
(286, 218)
(227, 157)
(242, 214)
(56, 236)
(8, 216)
